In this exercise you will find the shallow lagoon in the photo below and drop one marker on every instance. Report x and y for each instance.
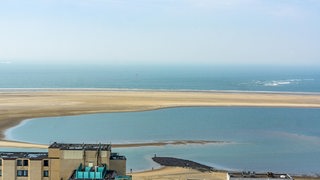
(262, 139)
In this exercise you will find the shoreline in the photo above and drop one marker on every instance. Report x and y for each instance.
(9, 90)
(21, 105)
(19, 144)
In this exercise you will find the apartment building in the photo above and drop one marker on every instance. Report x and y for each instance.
(63, 162)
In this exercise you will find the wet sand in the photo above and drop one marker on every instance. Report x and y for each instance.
(17, 106)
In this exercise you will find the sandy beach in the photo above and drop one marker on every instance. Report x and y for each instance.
(177, 173)
(17, 106)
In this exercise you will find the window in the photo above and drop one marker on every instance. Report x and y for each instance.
(45, 173)
(25, 162)
(19, 172)
(19, 162)
(25, 173)
(22, 173)
(0, 173)
(45, 162)
(0, 162)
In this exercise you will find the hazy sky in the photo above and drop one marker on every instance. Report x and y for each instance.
(161, 31)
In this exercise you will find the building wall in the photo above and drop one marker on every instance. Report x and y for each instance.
(61, 164)
(54, 153)
(35, 170)
(92, 158)
(69, 160)
(72, 154)
(21, 178)
(54, 166)
(67, 167)
(118, 165)
(9, 169)
(105, 156)
(1, 169)
(23, 167)
(46, 168)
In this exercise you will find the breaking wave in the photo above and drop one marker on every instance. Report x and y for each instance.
(273, 83)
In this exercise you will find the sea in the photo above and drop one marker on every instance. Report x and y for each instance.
(285, 140)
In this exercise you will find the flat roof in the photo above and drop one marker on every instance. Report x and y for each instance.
(26, 155)
(65, 146)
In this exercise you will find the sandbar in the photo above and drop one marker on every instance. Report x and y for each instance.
(16, 106)
(17, 144)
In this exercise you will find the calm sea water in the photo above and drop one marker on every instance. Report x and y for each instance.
(161, 77)
(262, 139)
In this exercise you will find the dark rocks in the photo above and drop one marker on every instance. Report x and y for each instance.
(170, 161)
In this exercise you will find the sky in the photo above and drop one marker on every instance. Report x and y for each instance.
(224, 32)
